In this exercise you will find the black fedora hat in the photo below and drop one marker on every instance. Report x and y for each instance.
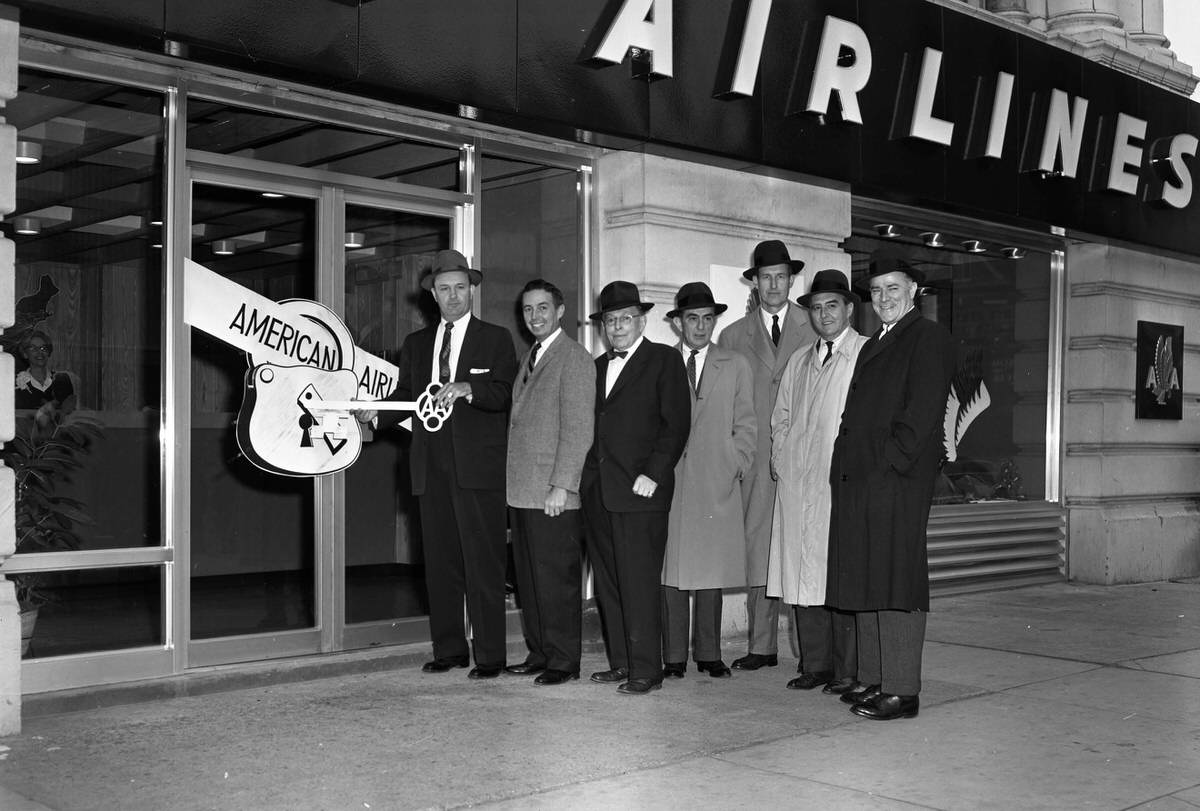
(447, 261)
(888, 261)
(768, 253)
(617, 296)
(829, 281)
(694, 295)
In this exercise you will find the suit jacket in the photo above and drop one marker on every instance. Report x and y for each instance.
(885, 460)
(748, 336)
(641, 427)
(480, 428)
(551, 425)
(706, 546)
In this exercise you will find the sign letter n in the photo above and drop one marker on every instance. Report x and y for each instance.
(643, 29)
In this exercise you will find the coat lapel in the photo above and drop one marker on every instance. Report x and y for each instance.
(632, 363)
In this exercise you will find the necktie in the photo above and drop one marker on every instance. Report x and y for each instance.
(444, 355)
(775, 330)
(617, 353)
(532, 362)
(828, 352)
(691, 369)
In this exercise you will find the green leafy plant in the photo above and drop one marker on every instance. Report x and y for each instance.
(46, 449)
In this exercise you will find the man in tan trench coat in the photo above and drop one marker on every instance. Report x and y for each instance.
(804, 426)
(767, 337)
(705, 531)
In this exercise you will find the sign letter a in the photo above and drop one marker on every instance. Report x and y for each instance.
(645, 26)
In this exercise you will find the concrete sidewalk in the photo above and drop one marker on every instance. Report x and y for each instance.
(1053, 696)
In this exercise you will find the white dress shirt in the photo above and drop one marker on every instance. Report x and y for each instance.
(457, 334)
(615, 365)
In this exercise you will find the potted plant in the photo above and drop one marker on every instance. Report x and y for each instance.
(46, 449)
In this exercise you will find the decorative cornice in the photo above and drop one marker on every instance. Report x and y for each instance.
(1135, 292)
(1118, 502)
(1132, 448)
(724, 226)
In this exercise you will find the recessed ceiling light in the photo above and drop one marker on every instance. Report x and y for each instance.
(272, 194)
(355, 239)
(27, 225)
(156, 222)
(974, 246)
(223, 247)
(933, 239)
(28, 152)
(1013, 253)
(887, 230)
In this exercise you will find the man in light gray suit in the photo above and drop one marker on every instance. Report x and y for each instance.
(767, 337)
(549, 433)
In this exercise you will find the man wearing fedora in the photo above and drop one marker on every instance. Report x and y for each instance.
(549, 433)
(804, 425)
(767, 337)
(885, 459)
(706, 549)
(458, 471)
(642, 415)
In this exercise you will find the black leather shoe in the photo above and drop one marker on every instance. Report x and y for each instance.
(674, 670)
(637, 687)
(753, 661)
(716, 669)
(551, 676)
(481, 672)
(840, 686)
(865, 692)
(809, 681)
(611, 676)
(524, 669)
(442, 665)
(887, 706)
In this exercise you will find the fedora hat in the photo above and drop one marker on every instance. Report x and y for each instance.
(694, 295)
(446, 262)
(768, 253)
(829, 281)
(890, 261)
(617, 296)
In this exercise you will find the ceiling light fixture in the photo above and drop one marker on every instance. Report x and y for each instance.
(355, 239)
(223, 247)
(156, 245)
(29, 152)
(156, 222)
(274, 195)
(1013, 253)
(887, 230)
(973, 246)
(932, 239)
(27, 225)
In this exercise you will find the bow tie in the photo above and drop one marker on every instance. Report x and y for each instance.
(617, 353)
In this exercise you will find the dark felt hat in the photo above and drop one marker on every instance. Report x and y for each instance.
(889, 261)
(769, 253)
(694, 295)
(447, 261)
(829, 281)
(617, 296)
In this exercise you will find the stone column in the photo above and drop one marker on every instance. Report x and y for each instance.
(1143, 21)
(1016, 10)
(10, 623)
(1081, 18)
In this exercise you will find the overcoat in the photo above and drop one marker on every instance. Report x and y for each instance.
(748, 336)
(804, 425)
(631, 439)
(885, 460)
(550, 425)
(706, 529)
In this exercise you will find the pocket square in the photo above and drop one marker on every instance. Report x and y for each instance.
(480, 371)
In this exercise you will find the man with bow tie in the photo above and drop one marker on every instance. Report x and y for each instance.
(642, 418)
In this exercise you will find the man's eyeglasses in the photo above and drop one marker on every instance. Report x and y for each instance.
(614, 321)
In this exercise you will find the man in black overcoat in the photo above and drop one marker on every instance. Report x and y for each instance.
(885, 460)
(643, 416)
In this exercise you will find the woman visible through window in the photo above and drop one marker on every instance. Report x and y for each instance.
(39, 384)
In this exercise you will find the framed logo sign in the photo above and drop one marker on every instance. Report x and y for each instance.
(1158, 380)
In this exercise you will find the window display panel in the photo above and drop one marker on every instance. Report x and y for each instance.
(996, 303)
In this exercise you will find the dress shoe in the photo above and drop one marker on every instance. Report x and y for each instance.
(840, 686)
(635, 687)
(865, 692)
(887, 706)
(481, 672)
(551, 676)
(611, 676)
(809, 681)
(716, 669)
(674, 670)
(524, 669)
(441, 665)
(753, 661)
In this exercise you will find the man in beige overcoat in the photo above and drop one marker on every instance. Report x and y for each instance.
(767, 337)
(549, 433)
(804, 425)
(705, 531)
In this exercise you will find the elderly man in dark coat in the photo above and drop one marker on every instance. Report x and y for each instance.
(885, 460)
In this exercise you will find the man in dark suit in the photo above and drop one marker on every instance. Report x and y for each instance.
(885, 460)
(643, 414)
(458, 471)
(549, 433)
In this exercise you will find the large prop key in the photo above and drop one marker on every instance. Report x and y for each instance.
(431, 415)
